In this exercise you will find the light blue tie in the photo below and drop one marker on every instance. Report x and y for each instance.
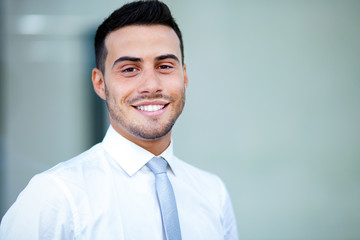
(166, 198)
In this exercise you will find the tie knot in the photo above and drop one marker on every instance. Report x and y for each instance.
(157, 165)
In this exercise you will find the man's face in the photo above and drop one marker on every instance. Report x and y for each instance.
(144, 80)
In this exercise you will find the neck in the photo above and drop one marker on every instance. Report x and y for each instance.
(155, 146)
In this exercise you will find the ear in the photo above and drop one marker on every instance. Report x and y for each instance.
(185, 76)
(98, 83)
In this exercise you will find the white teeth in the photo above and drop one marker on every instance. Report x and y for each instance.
(150, 108)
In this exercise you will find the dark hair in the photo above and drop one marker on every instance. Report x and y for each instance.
(134, 13)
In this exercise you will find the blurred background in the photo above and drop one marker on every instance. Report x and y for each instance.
(273, 104)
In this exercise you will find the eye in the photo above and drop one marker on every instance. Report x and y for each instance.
(165, 68)
(129, 70)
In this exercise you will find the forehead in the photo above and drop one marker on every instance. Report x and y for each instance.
(142, 41)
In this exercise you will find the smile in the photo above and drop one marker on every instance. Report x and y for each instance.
(150, 108)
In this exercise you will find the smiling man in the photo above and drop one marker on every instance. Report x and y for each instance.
(129, 186)
(143, 83)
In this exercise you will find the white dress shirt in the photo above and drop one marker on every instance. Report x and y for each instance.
(108, 193)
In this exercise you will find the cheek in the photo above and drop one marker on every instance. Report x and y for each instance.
(119, 91)
(177, 86)
(178, 90)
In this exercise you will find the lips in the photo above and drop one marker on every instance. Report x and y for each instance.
(150, 108)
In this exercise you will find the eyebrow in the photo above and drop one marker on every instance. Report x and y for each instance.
(127, 58)
(136, 59)
(166, 56)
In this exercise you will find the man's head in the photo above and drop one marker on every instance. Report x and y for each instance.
(143, 78)
(134, 13)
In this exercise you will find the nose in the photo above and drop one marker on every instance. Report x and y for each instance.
(151, 83)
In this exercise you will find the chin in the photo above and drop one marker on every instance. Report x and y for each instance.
(151, 134)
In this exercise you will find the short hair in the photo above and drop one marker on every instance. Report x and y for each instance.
(135, 13)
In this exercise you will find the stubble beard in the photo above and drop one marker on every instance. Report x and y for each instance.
(150, 130)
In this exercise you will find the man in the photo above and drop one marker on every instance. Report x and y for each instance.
(114, 190)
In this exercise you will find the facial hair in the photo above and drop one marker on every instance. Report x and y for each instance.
(149, 130)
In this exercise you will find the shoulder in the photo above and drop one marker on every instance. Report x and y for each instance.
(203, 182)
(70, 180)
(196, 173)
(43, 203)
(51, 198)
(68, 175)
(90, 162)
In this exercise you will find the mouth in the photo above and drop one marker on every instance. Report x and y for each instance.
(151, 108)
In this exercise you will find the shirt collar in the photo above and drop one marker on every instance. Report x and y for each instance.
(130, 156)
